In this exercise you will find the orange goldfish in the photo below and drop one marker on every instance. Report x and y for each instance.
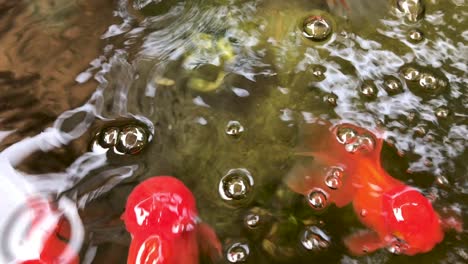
(360, 12)
(346, 169)
(53, 238)
(162, 217)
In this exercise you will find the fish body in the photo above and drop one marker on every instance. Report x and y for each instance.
(398, 216)
(53, 232)
(162, 217)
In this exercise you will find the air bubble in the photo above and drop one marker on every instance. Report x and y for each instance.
(345, 135)
(333, 182)
(415, 36)
(234, 129)
(442, 180)
(318, 71)
(109, 137)
(428, 81)
(252, 220)
(256, 218)
(331, 99)
(397, 246)
(410, 74)
(237, 253)
(442, 112)
(334, 178)
(363, 213)
(236, 184)
(336, 172)
(368, 90)
(314, 239)
(131, 140)
(392, 85)
(317, 199)
(364, 142)
(97, 148)
(316, 28)
(420, 131)
(413, 9)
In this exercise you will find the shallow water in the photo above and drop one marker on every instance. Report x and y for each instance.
(221, 85)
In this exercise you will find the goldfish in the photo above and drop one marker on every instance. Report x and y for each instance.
(359, 12)
(162, 218)
(346, 169)
(53, 232)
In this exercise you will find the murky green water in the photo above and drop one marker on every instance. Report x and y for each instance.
(229, 85)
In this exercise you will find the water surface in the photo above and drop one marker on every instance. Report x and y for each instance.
(220, 86)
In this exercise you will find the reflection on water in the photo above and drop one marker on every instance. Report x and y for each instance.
(198, 89)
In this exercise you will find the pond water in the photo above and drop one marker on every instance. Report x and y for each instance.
(97, 96)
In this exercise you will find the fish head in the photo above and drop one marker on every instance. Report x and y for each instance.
(160, 204)
(412, 223)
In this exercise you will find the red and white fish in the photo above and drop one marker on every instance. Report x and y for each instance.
(346, 168)
(52, 230)
(162, 217)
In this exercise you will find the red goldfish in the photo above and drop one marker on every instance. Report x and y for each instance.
(53, 232)
(162, 217)
(346, 169)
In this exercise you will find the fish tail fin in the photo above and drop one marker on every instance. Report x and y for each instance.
(363, 242)
(335, 154)
(360, 11)
(329, 179)
(209, 245)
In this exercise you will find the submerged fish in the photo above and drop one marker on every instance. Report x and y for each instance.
(359, 12)
(162, 217)
(53, 232)
(346, 169)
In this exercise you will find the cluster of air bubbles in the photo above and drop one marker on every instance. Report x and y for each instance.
(397, 246)
(317, 199)
(317, 28)
(331, 99)
(236, 185)
(234, 129)
(413, 10)
(365, 142)
(368, 90)
(354, 142)
(129, 139)
(334, 178)
(423, 81)
(315, 239)
(392, 85)
(238, 252)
